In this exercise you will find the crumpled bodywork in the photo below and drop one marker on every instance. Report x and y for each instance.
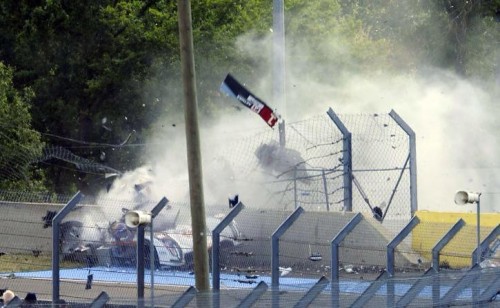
(115, 245)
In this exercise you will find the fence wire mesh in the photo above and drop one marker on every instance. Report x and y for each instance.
(308, 169)
(95, 257)
(98, 251)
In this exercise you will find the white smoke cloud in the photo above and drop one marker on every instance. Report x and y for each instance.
(453, 118)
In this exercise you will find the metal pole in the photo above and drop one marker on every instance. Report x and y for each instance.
(478, 230)
(152, 262)
(282, 133)
(391, 247)
(198, 220)
(334, 265)
(485, 243)
(275, 248)
(140, 266)
(346, 159)
(444, 241)
(413, 159)
(100, 300)
(55, 243)
(295, 187)
(279, 56)
(335, 243)
(216, 243)
(325, 187)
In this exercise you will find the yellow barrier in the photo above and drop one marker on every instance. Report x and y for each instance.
(457, 253)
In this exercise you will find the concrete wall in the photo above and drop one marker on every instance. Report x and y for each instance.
(21, 229)
(311, 233)
(434, 225)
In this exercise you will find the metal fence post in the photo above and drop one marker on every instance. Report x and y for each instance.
(391, 247)
(336, 242)
(185, 298)
(397, 240)
(295, 196)
(140, 252)
(251, 298)
(484, 244)
(369, 292)
(140, 265)
(275, 253)
(275, 248)
(216, 243)
(443, 241)
(152, 263)
(335, 256)
(413, 159)
(55, 243)
(436, 283)
(347, 159)
(416, 288)
(313, 292)
(325, 187)
(100, 300)
(466, 280)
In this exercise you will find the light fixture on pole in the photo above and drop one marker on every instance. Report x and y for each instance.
(139, 220)
(464, 197)
(134, 219)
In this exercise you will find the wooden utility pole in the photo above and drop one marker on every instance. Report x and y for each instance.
(198, 221)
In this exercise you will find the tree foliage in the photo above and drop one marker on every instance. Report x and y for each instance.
(449, 34)
(20, 144)
(101, 70)
(323, 35)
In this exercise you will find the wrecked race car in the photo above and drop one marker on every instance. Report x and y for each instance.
(114, 244)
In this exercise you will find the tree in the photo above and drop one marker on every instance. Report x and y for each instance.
(20, 143)
(458, 35)
(102, 70)
(86, 63)
(321, 33)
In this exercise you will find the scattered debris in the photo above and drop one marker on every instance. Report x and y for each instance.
(36, 253)
(285, 270)
(246, 281)
(88, 285)
(47, 219)
(316, 257)
(233, 201)
(242, 253)
(350, 269)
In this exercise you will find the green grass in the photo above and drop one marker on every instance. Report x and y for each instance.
(28, 262)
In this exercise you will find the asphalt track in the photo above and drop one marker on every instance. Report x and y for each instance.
(121, 283)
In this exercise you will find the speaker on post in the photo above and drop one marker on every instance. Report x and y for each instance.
(464, 197)
(133, 219)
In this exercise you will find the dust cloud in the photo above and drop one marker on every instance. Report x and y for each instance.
(454, 119)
